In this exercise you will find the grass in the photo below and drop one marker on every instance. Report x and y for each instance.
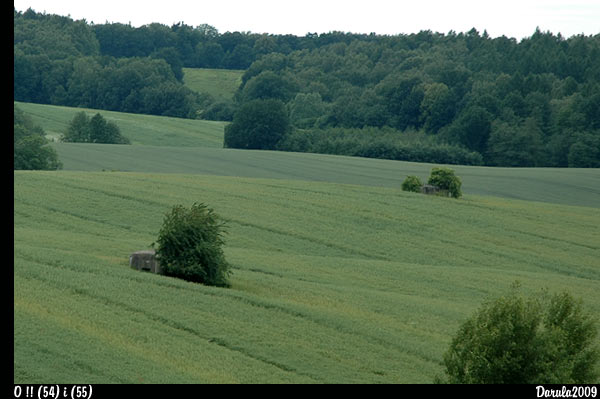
(219, 83)
(174, 145)
(332, 283)
(139, 129)
(338, 275)
(563, 186)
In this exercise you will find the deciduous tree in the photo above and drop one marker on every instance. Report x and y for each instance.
(548, 339)
(259, 124)
(189, 245)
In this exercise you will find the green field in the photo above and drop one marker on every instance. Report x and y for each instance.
(219, 83)
(331, 283)
(338, 275)
(139, 129)
(174, 145)
(563, 186)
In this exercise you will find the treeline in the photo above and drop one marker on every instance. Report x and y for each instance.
(58, 61)
(118, 67)
(529, 103)
(533, 102)
(383, 143)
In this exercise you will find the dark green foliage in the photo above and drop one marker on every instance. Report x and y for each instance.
(105, 132)
(516, 103)
(437, 107)
(83, 129)
(60, 61)
(31, 149)
(525, 340)
(78, 129)
(402, 96)
(515, 145)
(384, 143)
(585, 152)
(219, 111)
(446, 180)
(171, 56)
(268, 85)
(472, 128)
(412, 183)
(306, 109)
(259, 124)
(189, 246)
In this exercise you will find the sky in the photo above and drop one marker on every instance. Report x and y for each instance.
(511, 18)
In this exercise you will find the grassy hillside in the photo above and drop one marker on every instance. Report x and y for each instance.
(563, 186)
(339, 276)
(140, 129)
(174, 145)
(332, 283)
(219, 83)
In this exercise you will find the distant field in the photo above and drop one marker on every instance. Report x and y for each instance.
(332, 283)
(563, 186)
(174, 145)
(140, 129)
(219, 83)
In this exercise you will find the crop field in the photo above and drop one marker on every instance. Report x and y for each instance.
(219, 83)
(563, 186)
(174, 145)
(331, 282)
(338, 275)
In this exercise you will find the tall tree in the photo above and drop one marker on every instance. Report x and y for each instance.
(259, 124)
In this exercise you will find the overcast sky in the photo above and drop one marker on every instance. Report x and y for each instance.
(512, 18)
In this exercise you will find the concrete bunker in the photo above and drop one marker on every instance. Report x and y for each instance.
(145, 261)
(430, 189)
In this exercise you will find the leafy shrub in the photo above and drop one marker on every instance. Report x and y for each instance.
(546, 339)
(412, 183)
(446, 180)
(189, 246)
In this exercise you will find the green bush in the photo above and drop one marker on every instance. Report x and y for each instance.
(412, 183)
(189, 246)
(543, 340)
(446, 180)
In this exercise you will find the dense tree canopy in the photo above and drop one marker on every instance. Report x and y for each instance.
(60, 61)
(515, 103)
(532, 102)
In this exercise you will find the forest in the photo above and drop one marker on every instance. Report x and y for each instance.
(462, 98)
